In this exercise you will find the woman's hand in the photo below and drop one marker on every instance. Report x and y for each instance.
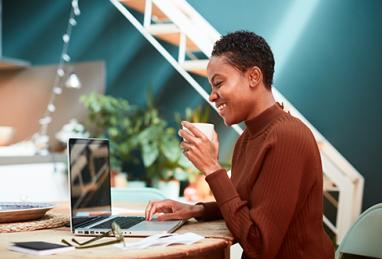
(202, 152)
(171, 210)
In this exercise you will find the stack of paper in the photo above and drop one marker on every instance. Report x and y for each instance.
(165, 239)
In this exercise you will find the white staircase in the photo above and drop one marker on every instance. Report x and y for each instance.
(176, 22)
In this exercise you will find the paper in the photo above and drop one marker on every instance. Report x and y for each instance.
(165, 239)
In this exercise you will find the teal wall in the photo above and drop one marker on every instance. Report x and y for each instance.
(328, 61)
(332, 73)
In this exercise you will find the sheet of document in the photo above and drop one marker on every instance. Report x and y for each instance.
(162, 240)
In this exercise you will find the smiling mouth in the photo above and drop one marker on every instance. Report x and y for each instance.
(221, 107)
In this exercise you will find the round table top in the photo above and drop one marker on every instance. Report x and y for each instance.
(215, 245)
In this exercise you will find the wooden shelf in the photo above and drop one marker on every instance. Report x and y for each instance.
(10, 63)
(171, 34)
(35, 159)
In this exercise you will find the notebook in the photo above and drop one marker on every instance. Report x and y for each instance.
(90, 194)
(39, 248)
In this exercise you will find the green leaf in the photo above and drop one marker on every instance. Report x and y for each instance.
(184, 162)
(180, 174)
(170, 149)
(113, 132)
(150, 153)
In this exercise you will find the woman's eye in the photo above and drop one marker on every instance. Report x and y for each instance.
(218, 84)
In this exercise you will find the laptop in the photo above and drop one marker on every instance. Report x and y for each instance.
(90, 194)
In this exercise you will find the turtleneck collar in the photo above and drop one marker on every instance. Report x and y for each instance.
(261, 121)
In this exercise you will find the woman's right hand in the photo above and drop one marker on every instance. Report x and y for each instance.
(172, 210)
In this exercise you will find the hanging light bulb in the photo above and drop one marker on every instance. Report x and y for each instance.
(72, 21)
(60, 72)
(51, 107)
(66, 57)
(73, 81)
(76, 9)
(45, 120)
(66, 38)
(57, 90)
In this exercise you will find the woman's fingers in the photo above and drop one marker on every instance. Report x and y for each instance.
(192, 134)
(187, 136)
(194, 131)
(186, 146)
(147, 209)
(170, 210)
(157, 206)
(153, 209)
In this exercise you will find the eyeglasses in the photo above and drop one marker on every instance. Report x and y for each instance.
(115, 230)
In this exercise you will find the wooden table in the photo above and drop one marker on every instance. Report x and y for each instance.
(216, 244)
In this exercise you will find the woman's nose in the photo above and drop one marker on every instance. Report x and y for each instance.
(213, 96)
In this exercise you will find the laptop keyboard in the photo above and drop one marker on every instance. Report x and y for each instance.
(123, 222)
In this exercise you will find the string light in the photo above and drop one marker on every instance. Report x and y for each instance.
(72, 21)
(60, 72)
(41, 139)
(66, 38)
(51, 108)
(66, 57)
(57, 90)
(73, 81)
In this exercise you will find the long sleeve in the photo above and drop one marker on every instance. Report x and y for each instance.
(279, 178)
(211, 211)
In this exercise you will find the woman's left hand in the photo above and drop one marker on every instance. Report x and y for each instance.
(202, 152)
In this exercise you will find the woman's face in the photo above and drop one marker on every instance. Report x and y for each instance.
(230, 91)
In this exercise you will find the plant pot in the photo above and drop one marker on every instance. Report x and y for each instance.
(198, 190)
(169, 188)
(6, 134)
(118, 179)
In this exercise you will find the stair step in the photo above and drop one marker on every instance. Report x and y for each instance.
(170, 33)
(139, 5)
(164, 28)
(196, 66)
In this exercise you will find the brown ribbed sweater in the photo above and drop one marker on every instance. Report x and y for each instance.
(273, 202)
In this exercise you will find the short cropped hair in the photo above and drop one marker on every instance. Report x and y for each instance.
(244, 50)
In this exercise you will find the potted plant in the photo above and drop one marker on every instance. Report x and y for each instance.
(160, 152)
(198, 114)
(115, 119)
(138, 135)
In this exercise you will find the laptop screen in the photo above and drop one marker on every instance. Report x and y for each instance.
(89, 177)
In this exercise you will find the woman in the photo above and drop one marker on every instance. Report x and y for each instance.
(273, 202)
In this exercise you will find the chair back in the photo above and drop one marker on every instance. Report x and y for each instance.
(136, 195)
(364, 237)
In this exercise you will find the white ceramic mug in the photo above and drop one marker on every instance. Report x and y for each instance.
(206, 128)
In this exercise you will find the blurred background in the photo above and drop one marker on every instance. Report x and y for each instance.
(328, 60)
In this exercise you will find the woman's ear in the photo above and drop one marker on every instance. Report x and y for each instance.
(255, 76)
